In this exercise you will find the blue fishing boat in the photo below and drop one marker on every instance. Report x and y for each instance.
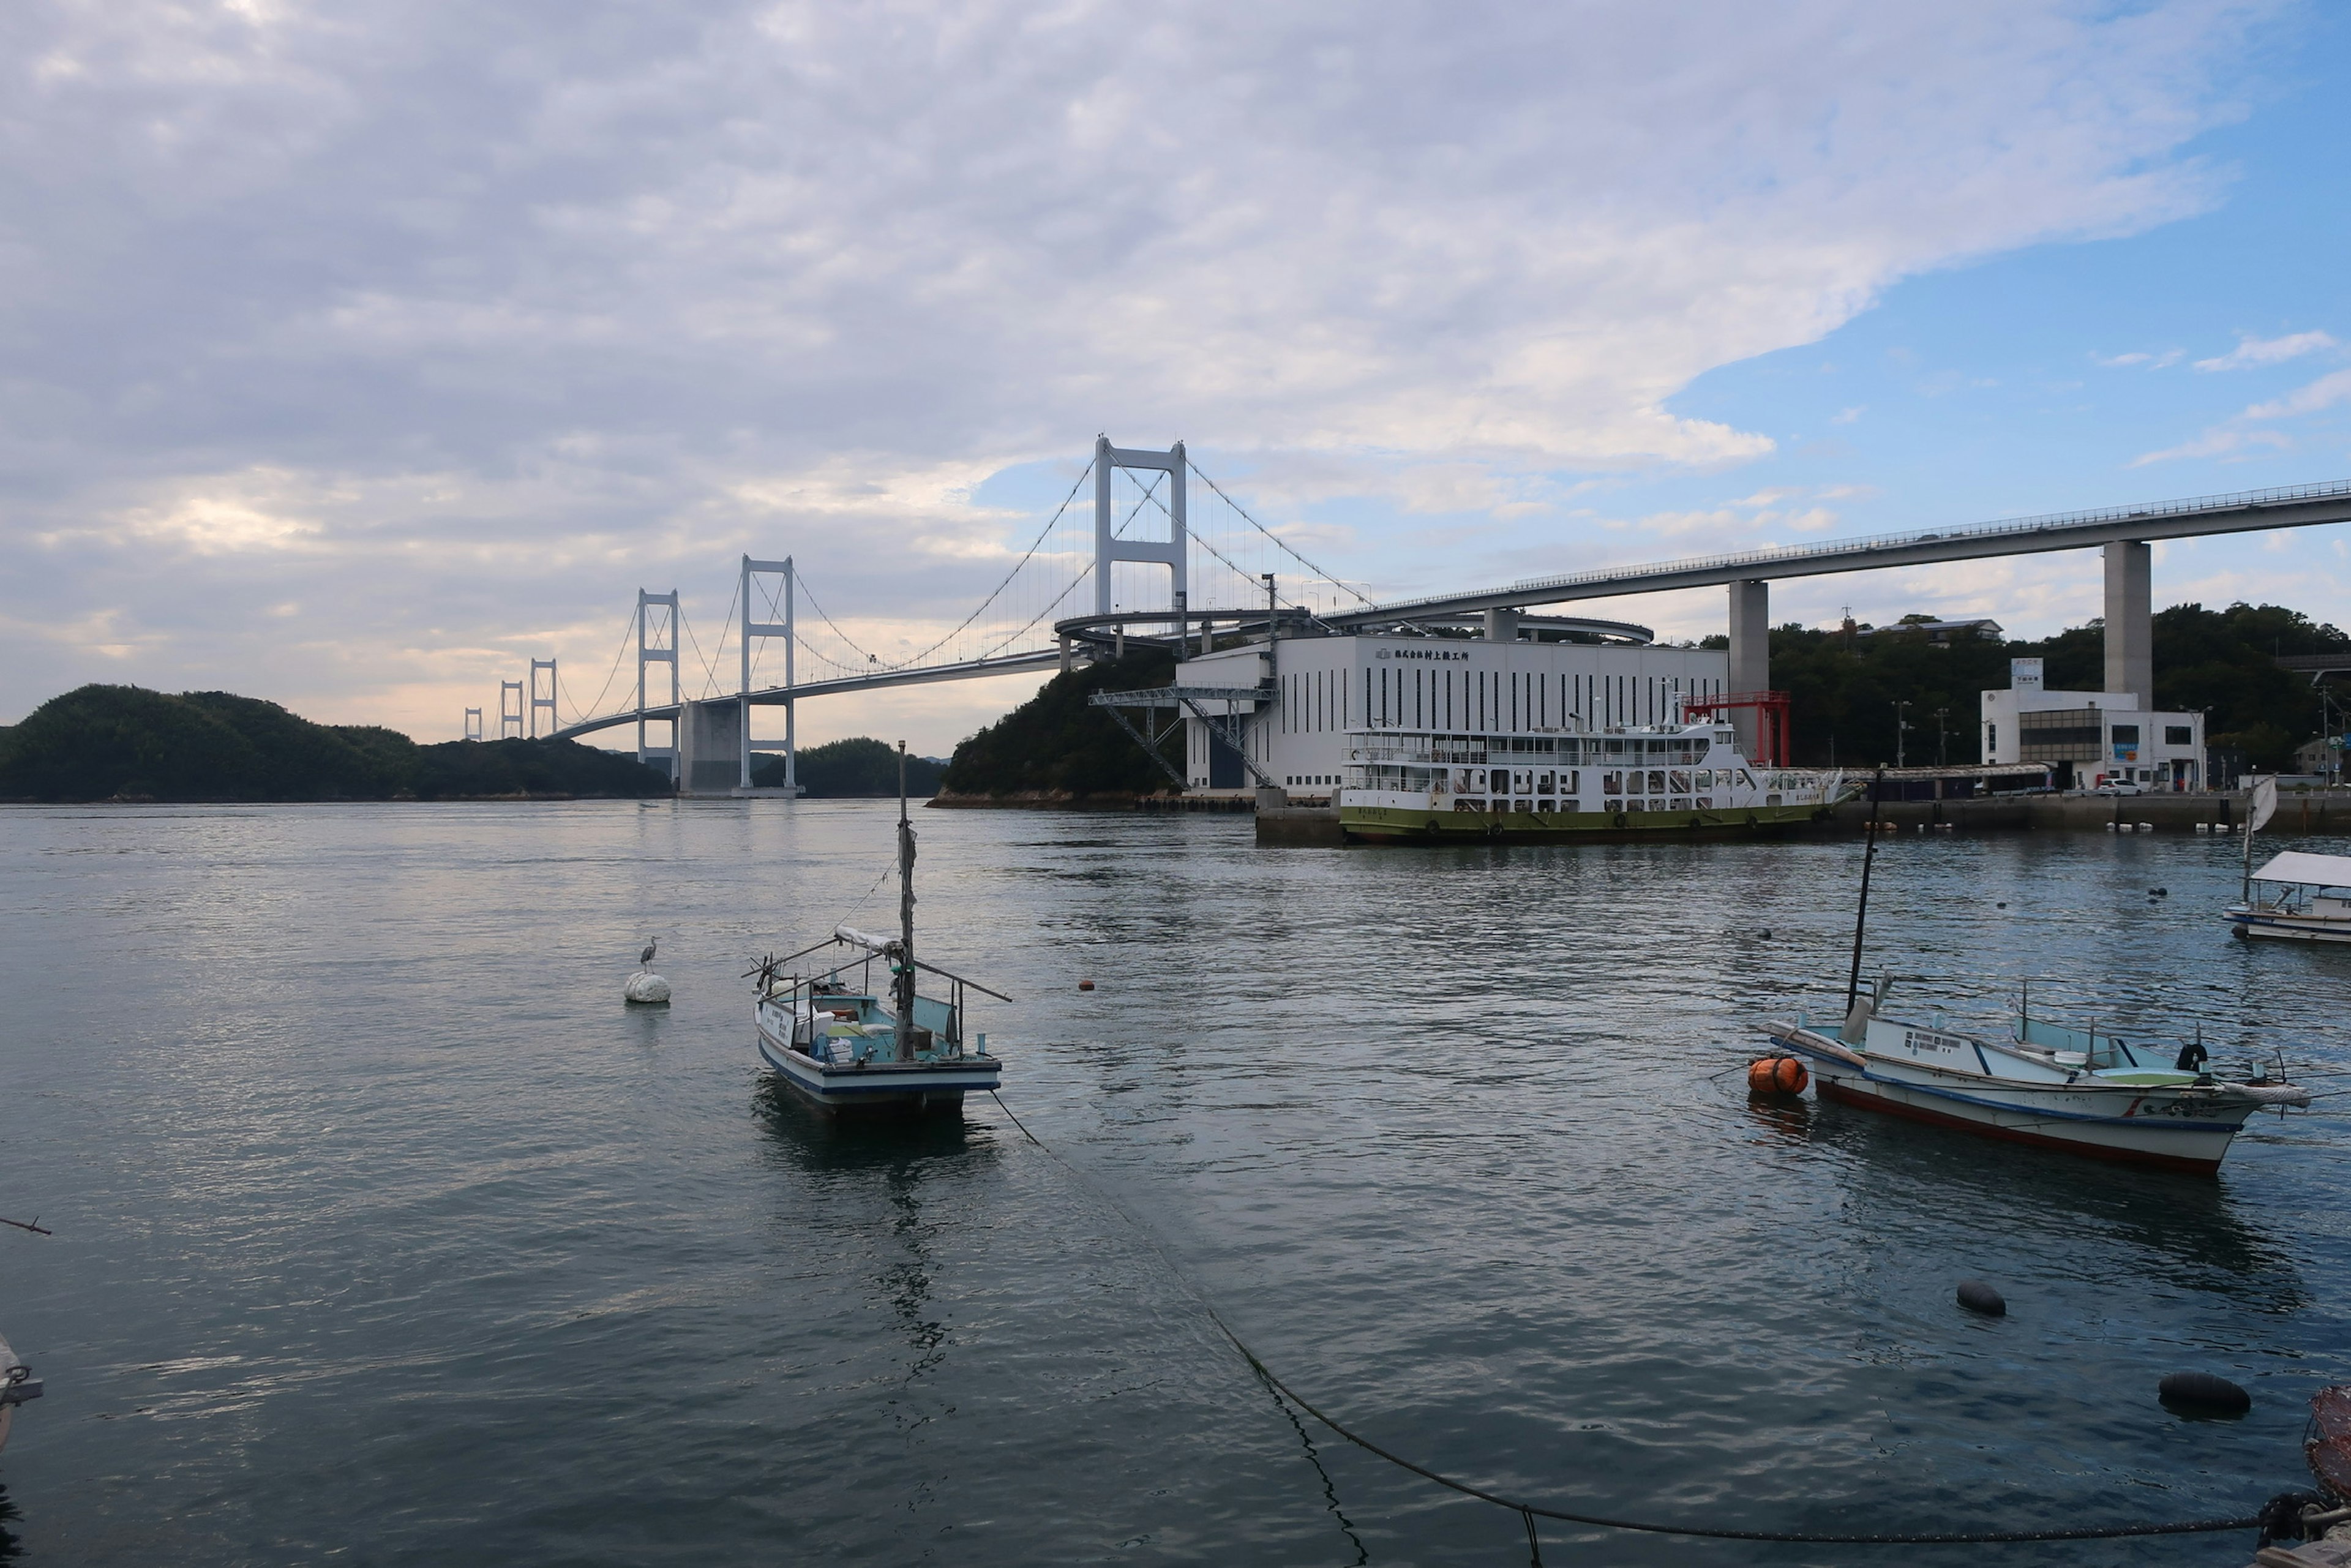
(843, 1045)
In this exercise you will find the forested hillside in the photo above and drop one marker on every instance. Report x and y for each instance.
(1056, 744)
(1844, 689)
(104, 743)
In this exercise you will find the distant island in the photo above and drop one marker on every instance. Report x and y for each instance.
(857, 768)
(1056, 750)
(127, 743)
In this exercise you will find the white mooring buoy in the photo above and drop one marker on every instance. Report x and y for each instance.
(647, 988)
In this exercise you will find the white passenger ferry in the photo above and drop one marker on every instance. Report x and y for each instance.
(1669, 780)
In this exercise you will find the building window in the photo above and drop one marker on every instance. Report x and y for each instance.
(2126, 735)
(2179, 735)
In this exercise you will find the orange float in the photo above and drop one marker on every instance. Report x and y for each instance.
(1776, 1075)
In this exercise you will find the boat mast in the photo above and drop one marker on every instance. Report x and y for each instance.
(905, 982)
(1860, 915)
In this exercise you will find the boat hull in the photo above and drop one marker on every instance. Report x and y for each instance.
(2132, 1124)
(1406, 825)
(882, 1087)
(2289, 927)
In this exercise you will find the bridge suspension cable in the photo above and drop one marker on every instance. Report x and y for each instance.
(1286, 545)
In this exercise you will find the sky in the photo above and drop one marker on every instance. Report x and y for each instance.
(353, 357)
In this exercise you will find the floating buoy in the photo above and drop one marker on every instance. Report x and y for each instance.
(2158, 892)
(2203, 1394)
(1979, 1297)
(1767, 936)
(1085, 985)
(646, 989)
(2001, 905)
(1776, 1075)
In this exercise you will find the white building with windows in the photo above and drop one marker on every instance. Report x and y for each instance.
(2103, 738)
(1324, 688)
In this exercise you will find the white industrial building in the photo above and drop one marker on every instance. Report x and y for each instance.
(2106, 737)
(1325, 687)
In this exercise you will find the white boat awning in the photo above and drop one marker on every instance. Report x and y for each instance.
(2314, 870)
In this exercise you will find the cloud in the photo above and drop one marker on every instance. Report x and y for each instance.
(2325, 392)
(2163, 361)
(2218, 441)
(519, 309)
(2254, 351)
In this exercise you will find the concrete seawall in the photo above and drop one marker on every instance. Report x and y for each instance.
(2312, 812)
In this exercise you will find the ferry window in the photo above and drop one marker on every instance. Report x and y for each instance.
(1543, 784)
(1657, 783)
(1681, 783)
(1574, 785)
(1611, 783)
(1704, 779)
(2178, 734)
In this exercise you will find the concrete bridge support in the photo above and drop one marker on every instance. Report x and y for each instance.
(2130, 622)
(1750, 654)
(1502, 625)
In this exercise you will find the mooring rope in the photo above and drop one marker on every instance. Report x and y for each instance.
(1530, 1511)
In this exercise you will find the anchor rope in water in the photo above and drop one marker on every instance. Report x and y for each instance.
(1530, 1511)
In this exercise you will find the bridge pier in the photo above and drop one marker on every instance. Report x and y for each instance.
(1502, 625)
(1750, 657)
(2130, 620)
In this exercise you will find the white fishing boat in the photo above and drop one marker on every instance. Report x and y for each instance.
(2089, 1091)
(833, 1038)
(2301, 897)
(1685, 779)
(2296, 897)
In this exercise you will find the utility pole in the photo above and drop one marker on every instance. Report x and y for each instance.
(1901, 727)
(1941, 758)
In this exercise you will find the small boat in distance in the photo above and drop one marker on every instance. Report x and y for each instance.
(2082, 1091)
(837, 1044)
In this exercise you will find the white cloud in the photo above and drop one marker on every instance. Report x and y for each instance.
(523, 313)
(2163, 361)
(2325, 392)
(2254, 351)
(2218, 441)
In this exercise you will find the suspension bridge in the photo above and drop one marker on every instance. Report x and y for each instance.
(1165, 555)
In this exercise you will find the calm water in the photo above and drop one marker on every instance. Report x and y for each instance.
(385, 1232)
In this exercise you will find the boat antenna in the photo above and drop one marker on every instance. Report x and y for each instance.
(1860, 915)
(905, 981)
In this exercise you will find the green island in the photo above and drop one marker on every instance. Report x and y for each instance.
(126, 743)
(859, 767)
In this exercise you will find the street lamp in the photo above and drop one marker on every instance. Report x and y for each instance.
(1901, 725)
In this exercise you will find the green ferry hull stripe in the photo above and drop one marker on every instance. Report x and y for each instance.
(1401, 824)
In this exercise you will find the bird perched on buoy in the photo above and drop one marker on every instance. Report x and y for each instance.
(1776, 1075)
(645, 988)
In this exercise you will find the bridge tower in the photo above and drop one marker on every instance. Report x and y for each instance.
(783, 629)
(657, 622)
(1170, 553)
(554, 722)
(473, 724)
(510, 713)
(2130, 620)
